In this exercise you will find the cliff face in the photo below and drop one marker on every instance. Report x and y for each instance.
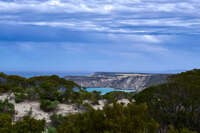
(119, 80)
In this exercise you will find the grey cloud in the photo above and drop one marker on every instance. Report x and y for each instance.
(110, 16)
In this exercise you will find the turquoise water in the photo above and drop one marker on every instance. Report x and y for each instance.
(107, 90)
(102, 90)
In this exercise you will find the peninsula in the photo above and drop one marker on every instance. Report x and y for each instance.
(119, 80)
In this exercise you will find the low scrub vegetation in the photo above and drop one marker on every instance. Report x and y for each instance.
(173, 107)
(48, 105)
(26, 125)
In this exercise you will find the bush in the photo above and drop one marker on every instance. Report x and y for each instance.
(51, 130)
(19, 97)
(118, 95)
(86, 107)
(5, 123)
(47, 105)
(176, 102)
(4, 88)
(29, 125)
(32, 94)
(184, 130)
(16, 81)
(6, 107)
(56, 120)
(17, 89)
(112, 119)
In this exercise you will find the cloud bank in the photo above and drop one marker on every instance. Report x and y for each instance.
(110, 16)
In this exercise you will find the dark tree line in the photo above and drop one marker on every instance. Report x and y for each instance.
(175, 103)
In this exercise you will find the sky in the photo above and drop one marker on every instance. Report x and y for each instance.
(99, 35)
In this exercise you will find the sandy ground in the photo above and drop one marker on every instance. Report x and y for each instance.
(66, 109)
(24, 108)
(103, 102)
(124, 101)
(100, 106)
(4, 96)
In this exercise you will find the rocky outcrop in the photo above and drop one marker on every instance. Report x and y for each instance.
(136, 81)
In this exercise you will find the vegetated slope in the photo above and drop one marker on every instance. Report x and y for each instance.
(47, 94)
(175, 103)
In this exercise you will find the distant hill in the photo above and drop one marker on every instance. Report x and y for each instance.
(119, 80)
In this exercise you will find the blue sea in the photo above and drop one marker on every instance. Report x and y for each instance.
(63, 74)
(60, 74)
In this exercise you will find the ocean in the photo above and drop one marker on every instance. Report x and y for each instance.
(60, 74)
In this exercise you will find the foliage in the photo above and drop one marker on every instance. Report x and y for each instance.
(112, 119)
(48, 91)
(86, 107)
(51, 130)
(20, 97)
(31, 94)
(37, 88)
(30, 112)
(55, 80)
(29, 125)
(56, 120)
(16, 81)
(93, 97)
(2, 75)
(184, 130)
(47, 105)
(117, 95)
(4, 88)
(176, 102)
(7, 107)
(5, 123)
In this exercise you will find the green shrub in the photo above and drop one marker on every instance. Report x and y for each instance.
(87, 107)
(19, 97)
(56, 120)
(47, 105)
(112, 119)
(184, 130)
(3, 75)
(4, 88)
(5, 123)
(32, 94)
(51, 130)
(117, 95)
(29, 125)
(17, 89)
(176, 102)
(6, 107)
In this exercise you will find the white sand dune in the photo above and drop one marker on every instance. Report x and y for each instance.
(100, 106)
(24, 108)
(124, 101)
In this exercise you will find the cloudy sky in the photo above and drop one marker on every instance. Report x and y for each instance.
(99, 35)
